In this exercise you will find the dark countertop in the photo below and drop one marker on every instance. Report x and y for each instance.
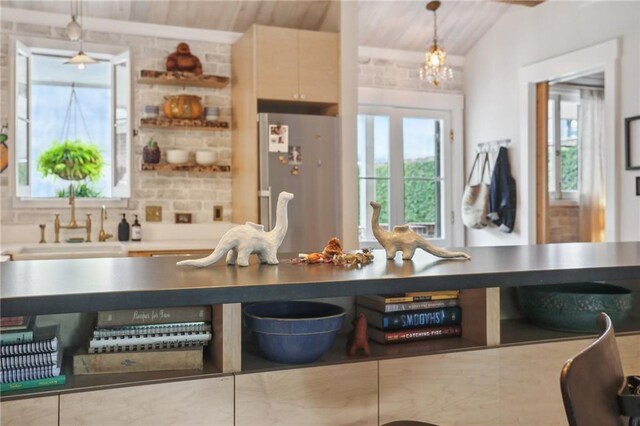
(85, 285)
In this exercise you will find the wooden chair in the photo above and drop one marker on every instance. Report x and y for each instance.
(591, 380)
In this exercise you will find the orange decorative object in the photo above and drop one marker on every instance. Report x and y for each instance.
(360, 337)
(183, 107)
(183, 60)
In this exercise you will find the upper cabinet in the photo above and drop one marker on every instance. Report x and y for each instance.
(296, 65)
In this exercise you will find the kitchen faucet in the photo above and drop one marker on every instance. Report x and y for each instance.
(102, 235)
(72, 223)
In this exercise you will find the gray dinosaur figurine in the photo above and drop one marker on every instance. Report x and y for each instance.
(403, 239)
(242, 241)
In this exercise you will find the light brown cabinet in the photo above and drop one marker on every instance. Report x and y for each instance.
(192, 402)
(506, 385)
(30, 412)
(296, 65)
(333, 395)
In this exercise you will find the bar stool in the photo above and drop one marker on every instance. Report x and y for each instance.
(591, 380)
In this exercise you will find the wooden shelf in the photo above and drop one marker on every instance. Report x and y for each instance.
(187, 167)
(253, 362)
(179, 124)
(177, 78)
(521, 331)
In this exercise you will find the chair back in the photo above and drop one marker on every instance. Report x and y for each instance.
(591, 380)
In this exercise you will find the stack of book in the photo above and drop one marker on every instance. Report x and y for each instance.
(414, 316)
(138, 340)
(31, 357)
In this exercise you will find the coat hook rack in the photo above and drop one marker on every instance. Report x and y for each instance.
(493, 145)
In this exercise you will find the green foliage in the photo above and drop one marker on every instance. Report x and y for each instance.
(420, 202)
(72, 160)
(82, 190)
(569, 164)
(151, 143)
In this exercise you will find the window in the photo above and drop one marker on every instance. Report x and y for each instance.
(56, 102)
(401, 166)
(563, 146)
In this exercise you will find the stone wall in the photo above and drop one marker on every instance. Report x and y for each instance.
(564, 223)
(173, 191)
(402, 75)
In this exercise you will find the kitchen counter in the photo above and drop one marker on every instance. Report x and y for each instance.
(83, 285)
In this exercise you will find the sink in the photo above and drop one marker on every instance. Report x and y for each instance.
(69, 251)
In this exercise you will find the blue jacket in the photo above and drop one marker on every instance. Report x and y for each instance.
(502, 195)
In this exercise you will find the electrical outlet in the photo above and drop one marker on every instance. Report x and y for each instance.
(217, 213)
(153, 213)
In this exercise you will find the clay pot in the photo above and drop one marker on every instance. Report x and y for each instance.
(183, 107)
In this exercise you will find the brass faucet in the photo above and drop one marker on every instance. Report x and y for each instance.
(102, 235)
(72, 223)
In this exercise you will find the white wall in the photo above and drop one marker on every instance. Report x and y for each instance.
(524, 36)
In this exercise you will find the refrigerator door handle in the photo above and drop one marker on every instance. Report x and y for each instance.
(267, 194)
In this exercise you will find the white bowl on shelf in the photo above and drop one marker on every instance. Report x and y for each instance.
(205, 158)
(177, 156)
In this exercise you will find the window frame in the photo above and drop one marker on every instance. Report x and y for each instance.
(120, 197)
(557, 196)
(397, 178)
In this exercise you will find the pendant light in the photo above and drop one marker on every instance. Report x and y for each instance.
(74, 32)
(434, 69)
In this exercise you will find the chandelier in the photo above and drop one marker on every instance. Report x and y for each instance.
(434, 69)
(74, 32)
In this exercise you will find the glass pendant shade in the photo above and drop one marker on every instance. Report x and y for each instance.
(81, 59)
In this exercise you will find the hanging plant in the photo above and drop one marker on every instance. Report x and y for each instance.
(72, 160)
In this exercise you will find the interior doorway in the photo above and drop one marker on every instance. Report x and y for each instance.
(570, 156)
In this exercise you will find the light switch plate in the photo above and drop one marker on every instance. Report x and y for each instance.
(153, 213)
(217, 213)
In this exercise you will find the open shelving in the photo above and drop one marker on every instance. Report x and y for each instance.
(178, 78)
(187, 167)
(182, 124)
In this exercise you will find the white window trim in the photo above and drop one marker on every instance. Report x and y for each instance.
(447, 103)
(44, 44)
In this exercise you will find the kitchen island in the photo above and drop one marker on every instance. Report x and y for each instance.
(394, 383)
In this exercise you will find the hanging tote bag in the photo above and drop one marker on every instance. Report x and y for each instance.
(475, 199)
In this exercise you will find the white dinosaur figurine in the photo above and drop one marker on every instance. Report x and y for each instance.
(244, 240)
(403, 239)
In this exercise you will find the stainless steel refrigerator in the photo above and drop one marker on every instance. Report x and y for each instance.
(300, 154)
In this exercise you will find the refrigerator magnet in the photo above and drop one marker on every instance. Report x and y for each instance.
(295, 170)
(278, 138)
(295, 154)
(283, 159)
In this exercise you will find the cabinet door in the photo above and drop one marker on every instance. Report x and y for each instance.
(319, 66)
(189, 402)
(31, 411)
(277, 63)
(445, 389)
(335, 395)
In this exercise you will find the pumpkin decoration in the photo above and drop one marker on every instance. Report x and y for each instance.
(182, 107)
(183, 60)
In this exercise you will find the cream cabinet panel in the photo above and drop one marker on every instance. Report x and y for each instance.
(335, 395)
(277, 63)
(447, 389)
(30, 412)
(319, 65)
(189, 402)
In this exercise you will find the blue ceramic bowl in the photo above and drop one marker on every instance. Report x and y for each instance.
(574, 307)
(293, 332)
